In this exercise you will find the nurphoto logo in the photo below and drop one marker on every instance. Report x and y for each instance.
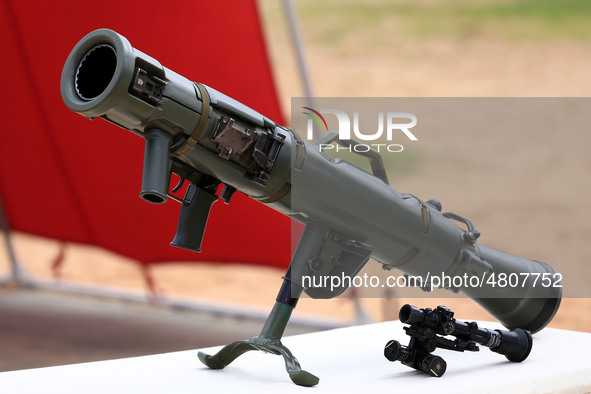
(389, 123)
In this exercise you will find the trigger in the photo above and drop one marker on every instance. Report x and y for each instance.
(178, 185)
(227, 193)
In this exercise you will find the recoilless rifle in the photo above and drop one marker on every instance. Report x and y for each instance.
(350, 215)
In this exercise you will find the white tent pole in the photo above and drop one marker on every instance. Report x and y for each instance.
(296, 42)
(17, 272)
(297, 45)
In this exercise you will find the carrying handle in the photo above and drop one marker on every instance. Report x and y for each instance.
(472, 234)
(375, 159)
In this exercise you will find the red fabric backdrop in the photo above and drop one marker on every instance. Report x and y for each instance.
(64, 177)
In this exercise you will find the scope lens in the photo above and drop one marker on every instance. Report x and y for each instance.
(95, 71)
(411, 315)
(515, 345)
(404, 314)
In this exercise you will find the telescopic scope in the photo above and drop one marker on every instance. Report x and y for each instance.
(428, 329)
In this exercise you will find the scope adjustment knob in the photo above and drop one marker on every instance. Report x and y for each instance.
(392, 350)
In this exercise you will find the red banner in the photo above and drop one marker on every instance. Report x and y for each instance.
(64, 177)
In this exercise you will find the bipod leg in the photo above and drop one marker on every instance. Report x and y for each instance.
(229, 353)
(269, 340)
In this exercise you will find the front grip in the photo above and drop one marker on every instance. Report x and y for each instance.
(156, 175)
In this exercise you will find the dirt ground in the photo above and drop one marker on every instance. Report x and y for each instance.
(531, 200)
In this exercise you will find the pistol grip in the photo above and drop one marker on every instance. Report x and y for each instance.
(193, 218)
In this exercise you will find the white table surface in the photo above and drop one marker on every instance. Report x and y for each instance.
(346, 360)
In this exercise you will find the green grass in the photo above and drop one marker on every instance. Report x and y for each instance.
(332, 23)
